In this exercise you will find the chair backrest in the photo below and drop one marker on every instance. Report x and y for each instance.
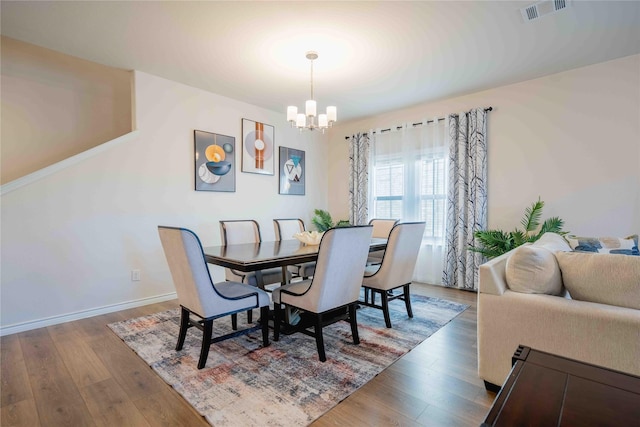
(401, 254)
(342, 257)
(240, 231)
(382, 227)
(285, 228)
(191, 277)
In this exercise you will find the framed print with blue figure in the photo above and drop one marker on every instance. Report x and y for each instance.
(292, 171)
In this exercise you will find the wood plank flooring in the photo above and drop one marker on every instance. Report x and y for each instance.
(80, 374)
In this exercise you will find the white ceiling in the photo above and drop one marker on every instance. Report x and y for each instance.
(373, 56)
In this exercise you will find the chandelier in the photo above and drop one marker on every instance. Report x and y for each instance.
(308, 120)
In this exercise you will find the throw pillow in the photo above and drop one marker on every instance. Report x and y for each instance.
(533, 269)
(604, 278)
(553, 241)
(605, 245)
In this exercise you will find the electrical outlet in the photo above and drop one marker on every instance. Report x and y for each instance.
(135, 275)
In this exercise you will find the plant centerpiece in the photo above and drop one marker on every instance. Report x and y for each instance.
(497, 242)
(323, 221)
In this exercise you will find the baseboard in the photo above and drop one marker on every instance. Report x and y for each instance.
(54, 320)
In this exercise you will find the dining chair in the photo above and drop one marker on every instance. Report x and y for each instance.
(248, 231)
(201, 298)
(381, 230)
(332, 294)
(396, 269)
(284, 229)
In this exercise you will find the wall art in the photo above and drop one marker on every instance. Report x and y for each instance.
(292, 171)
(258, 147)
(215, 164)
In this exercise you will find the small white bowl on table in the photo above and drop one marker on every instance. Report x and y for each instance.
(309, 237)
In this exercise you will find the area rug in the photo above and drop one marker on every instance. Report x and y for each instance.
(283, 384)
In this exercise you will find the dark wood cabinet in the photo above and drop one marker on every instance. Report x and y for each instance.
(548, 390)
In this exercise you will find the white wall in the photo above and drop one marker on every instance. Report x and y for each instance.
(70, 241)
(572, 138)
(55, 106)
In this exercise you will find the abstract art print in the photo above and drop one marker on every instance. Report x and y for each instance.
(292, 171)
(215, 164)
(257, 147)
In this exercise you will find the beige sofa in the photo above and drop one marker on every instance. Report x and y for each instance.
(520, 301)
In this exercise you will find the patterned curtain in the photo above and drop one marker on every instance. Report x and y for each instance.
(467, 197)
(358, 179)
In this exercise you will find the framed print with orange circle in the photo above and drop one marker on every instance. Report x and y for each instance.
(215, 162)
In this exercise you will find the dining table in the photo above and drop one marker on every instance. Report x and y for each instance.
(254, 257)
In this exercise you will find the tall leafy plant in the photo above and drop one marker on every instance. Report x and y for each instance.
(323, 221)
(493, 243)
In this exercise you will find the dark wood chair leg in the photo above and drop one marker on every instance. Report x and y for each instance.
(249, 316)
(407, 300)
(354, 323)
(184, 325)
(234, 321)
(319, 339)
(264, 318)
(276, 321)
(385, 308)
(206, 342)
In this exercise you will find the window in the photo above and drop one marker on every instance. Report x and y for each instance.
(431, 174)
(389, 189)
(413, 188)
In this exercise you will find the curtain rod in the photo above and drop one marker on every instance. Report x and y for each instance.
(414, 124)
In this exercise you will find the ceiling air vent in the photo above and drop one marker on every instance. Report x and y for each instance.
(530, 13)
(542, 8)
(559, 4)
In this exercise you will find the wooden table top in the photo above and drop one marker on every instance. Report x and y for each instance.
(259, 256)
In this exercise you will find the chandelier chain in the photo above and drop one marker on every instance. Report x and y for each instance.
(312, 79)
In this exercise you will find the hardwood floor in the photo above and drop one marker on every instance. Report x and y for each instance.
(80, 374)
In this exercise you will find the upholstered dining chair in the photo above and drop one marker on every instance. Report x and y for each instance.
(381, 230)
(201, 298)
(396, 269)
(284, 229)
(332, 294)
(248, 231)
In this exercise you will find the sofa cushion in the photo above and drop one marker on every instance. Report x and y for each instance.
(605, 245)
(533, 269)
(603, 278)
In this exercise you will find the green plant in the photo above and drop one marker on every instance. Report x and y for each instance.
(323, 221)
(497, 242)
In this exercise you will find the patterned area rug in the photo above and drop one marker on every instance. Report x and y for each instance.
(283, 384)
